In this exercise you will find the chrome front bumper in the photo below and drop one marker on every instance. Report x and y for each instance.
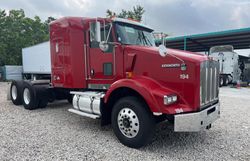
(193, 122)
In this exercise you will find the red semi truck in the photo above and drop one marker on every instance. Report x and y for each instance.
(110, 69)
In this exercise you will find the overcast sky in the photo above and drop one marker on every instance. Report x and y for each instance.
(176, 17)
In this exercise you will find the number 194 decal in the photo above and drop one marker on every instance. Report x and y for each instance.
(184, 76)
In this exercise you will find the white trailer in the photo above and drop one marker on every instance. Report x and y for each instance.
(229, 63)
(36, 60)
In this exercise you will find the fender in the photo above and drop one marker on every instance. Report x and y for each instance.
(148, 88)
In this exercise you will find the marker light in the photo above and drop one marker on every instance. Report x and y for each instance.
(129, 74)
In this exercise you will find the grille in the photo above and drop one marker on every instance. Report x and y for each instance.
(209, 82)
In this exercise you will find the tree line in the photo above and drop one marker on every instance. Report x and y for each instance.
(135, 14)
(18, 31)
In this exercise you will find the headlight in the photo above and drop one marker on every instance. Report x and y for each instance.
(169, 99)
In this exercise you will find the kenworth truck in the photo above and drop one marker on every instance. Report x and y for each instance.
(110, 69)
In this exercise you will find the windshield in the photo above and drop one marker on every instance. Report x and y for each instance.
(134, 35)
(225, 48)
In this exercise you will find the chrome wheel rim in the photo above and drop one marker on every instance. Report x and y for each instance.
(26, 96)
(14, 92)
(128, 122)
(221, 81)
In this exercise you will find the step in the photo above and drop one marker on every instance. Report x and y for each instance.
(81, 113)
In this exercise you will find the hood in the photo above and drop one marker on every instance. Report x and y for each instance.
(185, 55)
(146, 61)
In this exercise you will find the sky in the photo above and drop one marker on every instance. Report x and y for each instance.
(174, 17)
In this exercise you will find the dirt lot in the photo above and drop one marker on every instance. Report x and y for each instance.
(53, 133)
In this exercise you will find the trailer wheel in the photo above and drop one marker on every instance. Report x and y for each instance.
(29, 99)
(221, 81)
(225, 80)
(16, 92)
(132, 123)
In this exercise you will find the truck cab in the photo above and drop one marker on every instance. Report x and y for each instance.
(115, 73)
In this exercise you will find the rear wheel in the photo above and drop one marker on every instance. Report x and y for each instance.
(132, 122)
(16, 92)
(43, 103)
(42, 95)
(29, 99)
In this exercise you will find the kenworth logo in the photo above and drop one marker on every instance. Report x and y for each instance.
(170, 65)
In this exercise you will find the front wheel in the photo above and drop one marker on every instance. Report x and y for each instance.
(132, 122)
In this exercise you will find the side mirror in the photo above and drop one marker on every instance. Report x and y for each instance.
(95, 31)
(98, 31)
(162, 50)
(104, 46)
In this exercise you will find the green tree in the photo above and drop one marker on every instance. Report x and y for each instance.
(18, 31)
(135, 14)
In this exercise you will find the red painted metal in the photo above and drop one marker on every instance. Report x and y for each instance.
(74, 63)
(67, 64)
(162, 80)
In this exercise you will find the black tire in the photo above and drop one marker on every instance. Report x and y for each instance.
(42, 103)
(221, 81)
(42, 95)
(146, 122)
(16, 92)
(225, 80)
(51, 95)
(29, 99)
(230, 80)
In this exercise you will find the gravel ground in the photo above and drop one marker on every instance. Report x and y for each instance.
(55, 134)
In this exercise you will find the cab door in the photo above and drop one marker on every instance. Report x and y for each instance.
(101, 64)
